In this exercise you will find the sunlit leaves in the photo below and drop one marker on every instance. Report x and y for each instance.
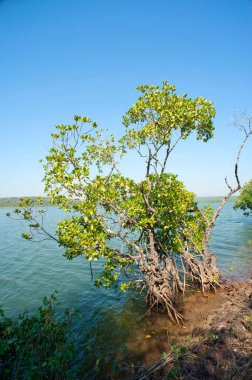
(26, 236)
(159, 112)
(78, 150)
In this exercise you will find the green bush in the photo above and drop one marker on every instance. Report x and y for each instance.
(38, 346)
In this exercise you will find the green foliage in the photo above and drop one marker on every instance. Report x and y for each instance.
(244, 200)
(213, 335)
(178, 351)
(177, 354)
(37, 346)
(159, 112)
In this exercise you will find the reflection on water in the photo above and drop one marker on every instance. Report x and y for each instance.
(109, 320)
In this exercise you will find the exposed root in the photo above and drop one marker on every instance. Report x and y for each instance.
(201, 270)
(161, 295)
(166, 302)
(166, 283)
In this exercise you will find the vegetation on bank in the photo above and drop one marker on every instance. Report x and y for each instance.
(164, 233)
(39, 346)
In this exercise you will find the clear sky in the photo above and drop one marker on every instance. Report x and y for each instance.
(59, 58)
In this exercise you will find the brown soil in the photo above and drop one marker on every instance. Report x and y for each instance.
(215, 343)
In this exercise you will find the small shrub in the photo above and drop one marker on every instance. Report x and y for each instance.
(38, 346)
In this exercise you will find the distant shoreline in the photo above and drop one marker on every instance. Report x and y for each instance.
(11, 202)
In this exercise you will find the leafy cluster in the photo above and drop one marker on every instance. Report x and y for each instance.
(244, 200)
(159, 112)
(37, 346)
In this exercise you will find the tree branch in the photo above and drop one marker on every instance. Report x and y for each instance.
(232, 191)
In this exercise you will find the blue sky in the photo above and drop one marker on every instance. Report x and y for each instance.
(61, 58)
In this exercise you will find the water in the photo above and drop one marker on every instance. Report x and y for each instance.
(29, 271)
(232, 243)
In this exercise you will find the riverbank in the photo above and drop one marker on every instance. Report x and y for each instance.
(216, 341)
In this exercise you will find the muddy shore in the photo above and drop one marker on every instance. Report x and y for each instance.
(215, 342)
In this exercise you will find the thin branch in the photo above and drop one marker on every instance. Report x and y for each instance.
(168, 152)
(232, 191)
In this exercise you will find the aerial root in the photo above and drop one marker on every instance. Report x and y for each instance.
(161, 297)
(165, 284)
(201, 271)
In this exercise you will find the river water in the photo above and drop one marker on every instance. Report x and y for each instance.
(29, 271)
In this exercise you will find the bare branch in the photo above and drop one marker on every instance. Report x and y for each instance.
(226, 181)
(248, 132)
